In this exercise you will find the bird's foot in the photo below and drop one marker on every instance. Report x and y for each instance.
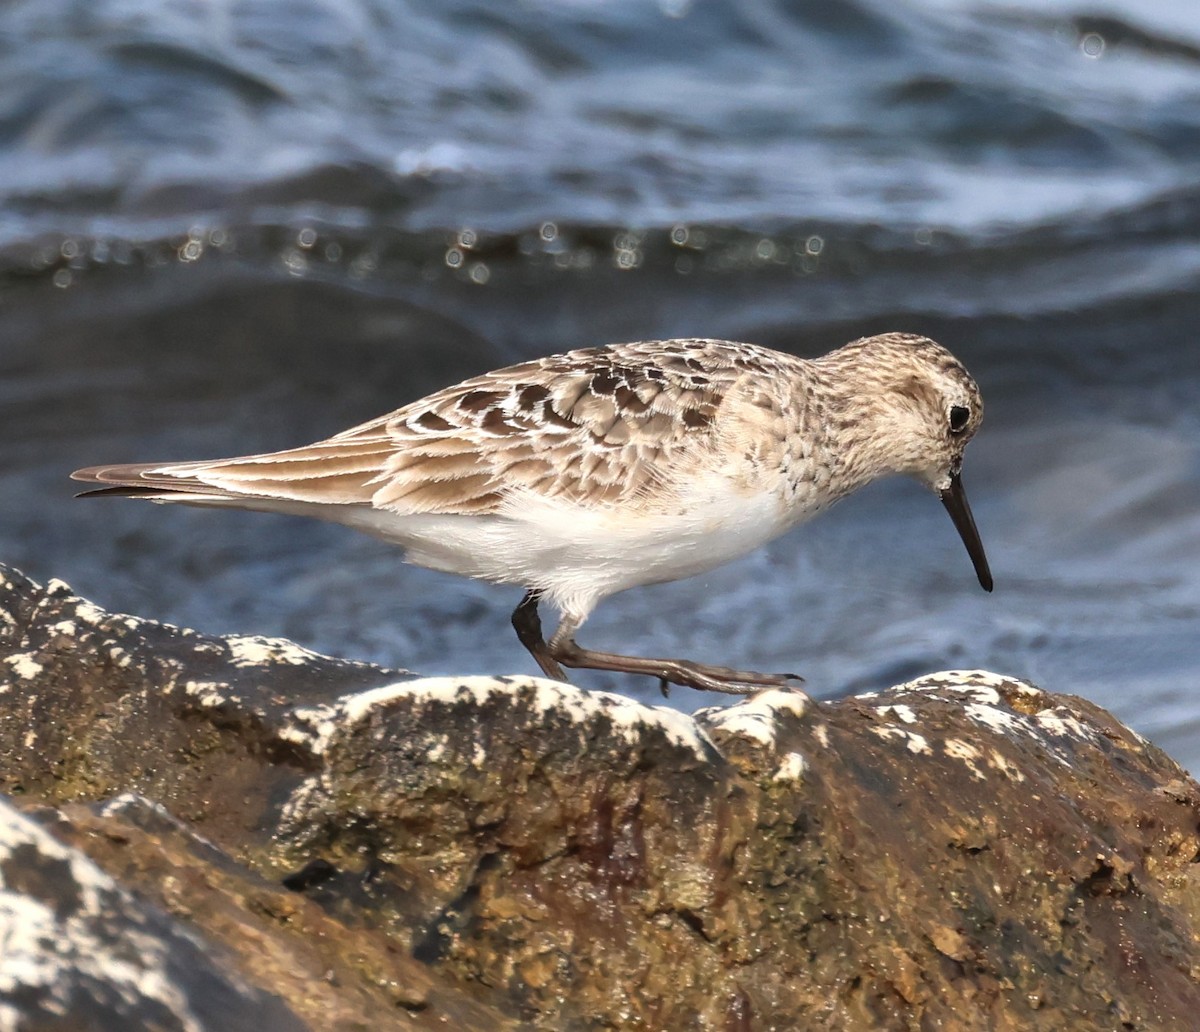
(682, 672)
(728, 681)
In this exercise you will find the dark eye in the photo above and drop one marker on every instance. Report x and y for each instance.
(959, 417)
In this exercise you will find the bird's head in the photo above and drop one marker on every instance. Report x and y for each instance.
(925, 409)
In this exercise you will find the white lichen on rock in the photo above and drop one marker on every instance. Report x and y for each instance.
(247, 650)
(136, 806)
(48, 949)
(998, 760)
(120, 657)
(905, 713)
(23, 665)
(985, 683)
(914, 742)
(760, 717)
(1062, 724)
(438, 749)
(993, 716)
(129, 801)
(208, 694)
(791, 767)
(969, 754)
(318, 727)
(986, 699)
(87, 612)
(757, 734)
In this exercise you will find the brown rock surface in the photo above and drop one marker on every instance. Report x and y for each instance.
(376, 851)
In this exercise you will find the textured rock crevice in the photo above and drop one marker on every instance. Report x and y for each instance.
(359, 848)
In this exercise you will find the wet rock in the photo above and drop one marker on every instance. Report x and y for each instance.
(77, 951)
(383, 851)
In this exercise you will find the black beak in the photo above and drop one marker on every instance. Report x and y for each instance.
(954, 498)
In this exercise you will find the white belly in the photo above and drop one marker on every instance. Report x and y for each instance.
(578, 556)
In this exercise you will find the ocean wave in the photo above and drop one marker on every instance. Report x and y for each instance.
(959, 116)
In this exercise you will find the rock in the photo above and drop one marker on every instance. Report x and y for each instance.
(383, 851)
(81, 952)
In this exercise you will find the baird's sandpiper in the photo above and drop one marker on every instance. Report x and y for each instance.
(582, 474)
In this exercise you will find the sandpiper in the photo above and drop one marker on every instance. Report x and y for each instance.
(582, 474)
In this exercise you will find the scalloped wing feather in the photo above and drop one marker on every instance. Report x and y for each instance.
(594, 427)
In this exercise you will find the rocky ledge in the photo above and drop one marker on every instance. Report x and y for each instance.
(202, 833)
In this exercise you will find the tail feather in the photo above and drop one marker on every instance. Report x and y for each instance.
(137, 491)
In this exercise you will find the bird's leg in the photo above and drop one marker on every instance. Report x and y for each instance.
(528, 625)
(565, 650)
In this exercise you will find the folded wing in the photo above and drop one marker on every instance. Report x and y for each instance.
(594, 427)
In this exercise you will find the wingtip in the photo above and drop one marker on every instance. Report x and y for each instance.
(129, 475)
(111, 480)
(102, 474)
(119, 491)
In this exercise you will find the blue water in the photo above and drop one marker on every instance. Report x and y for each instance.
(927, 114)
(226, 227)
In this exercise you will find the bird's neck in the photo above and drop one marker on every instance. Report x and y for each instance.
(840, 435)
